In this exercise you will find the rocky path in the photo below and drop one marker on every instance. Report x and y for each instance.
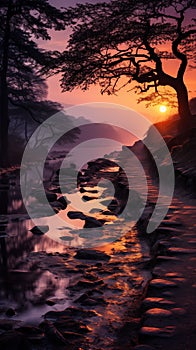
(169, 310)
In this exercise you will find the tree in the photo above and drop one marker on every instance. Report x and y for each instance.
(22, 24)
(117, 43)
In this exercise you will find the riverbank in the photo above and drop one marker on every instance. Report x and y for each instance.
(135, 293)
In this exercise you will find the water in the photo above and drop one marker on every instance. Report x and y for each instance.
(27, 281)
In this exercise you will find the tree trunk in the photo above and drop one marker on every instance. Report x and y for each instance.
(183, 105)
(4, 123)
(4, 115)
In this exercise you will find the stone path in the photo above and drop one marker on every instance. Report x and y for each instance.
(169, 309)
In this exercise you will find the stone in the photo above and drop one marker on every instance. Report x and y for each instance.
(157, 312)
(39, 231)
(143, 347)
(88, 254)
(32, 333)
(87, 198)
(10, 312)
(63, 201)
(173, 274)
(165, 332)
(178, 311)
(58, 205)
(162, 283)
(176, 250)
(162, 258)
(71, 312)
(8, 324)
(14, 340)
(53, 333)
(153, 302)
(51, 197)
(76, 215)
(168, 294)
(170, 223)
(50, 302)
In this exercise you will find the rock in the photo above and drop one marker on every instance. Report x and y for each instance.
(86, 284)
(67, 238)
(87, 198)
(162, 283)
(53, 334)
(39, 231)
(168, 230)
(157, 312)
(168, 294)
(76, 215)
(68, 324)
(165, 332)
(71, 312)
(63, 201)
(50, 302)
(32, 333)
(8, 324)
(10, 312)
(153, 302)
(14, 340)
(171, 223)
(82, 190)
(51, 197)
(143, 347)
(176, 250)
(91, 222)
(173, 274)
(88, 254)
(178, 311)
(58, 205)
(72, 335)
(162, 258)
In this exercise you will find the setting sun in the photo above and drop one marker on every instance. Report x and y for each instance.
(162, 109)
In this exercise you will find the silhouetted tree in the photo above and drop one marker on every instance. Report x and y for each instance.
(22, 23)
(117, 43)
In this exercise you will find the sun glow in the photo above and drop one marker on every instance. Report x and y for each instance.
(162, 109)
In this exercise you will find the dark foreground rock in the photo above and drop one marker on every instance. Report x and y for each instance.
(88, 254)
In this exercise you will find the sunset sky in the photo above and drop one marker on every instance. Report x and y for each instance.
(125, 98)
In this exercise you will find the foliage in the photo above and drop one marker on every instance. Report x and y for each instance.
(116, 43)
(22, 24)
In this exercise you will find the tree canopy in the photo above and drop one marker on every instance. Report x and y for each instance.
(117, 43)
(22, 24)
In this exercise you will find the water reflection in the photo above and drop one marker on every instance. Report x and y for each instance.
(25, 289)
(27, 292)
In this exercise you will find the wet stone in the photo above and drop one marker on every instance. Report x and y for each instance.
(178, 311)
(165, 332)
(153, 302)
(162, 258)
(39, 231)
(173, 274)
(13, 337)
(143, 347)
(50, 302)
(168, 294)
(176, 250)
(162, 283)
(88, 254)
(32, 333)
(10, 312)
(8, 324)
(157, 312)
